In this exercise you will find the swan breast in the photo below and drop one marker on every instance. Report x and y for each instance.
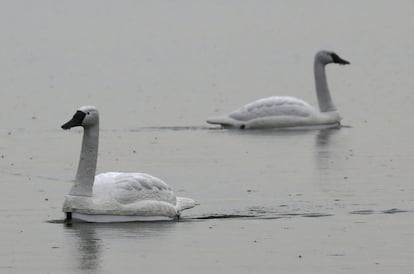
(273, 106)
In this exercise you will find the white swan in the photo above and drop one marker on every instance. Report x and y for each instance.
(115, 196)
(285, 111)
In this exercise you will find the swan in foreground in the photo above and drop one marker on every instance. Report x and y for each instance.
(115, 196)
(286, 111)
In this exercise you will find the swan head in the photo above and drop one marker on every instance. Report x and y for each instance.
(327, 57)
(86, 116)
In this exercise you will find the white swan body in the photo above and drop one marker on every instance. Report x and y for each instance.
(286, 111)
(277, 112)
(115, 196)
(129, 197)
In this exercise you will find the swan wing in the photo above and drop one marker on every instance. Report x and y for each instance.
(273, 106)
(130, 188)
(275, 111)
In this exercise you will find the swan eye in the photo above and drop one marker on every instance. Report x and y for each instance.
(88, 113)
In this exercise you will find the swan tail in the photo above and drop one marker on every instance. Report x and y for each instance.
(185, 203)
(224, 120)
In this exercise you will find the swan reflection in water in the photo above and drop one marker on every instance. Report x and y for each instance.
(324, 136)
(324, 148)
(92, 242)
(330, 153)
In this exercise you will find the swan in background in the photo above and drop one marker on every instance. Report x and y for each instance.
(290, 112)
(115, 196)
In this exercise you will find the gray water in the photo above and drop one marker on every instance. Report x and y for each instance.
(319, 201)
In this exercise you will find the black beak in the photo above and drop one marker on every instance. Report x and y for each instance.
(338, 60)
(76, 120)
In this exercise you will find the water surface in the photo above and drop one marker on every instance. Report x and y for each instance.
(315, 201)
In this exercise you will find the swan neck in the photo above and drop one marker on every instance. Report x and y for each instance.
(87, 162)
(322, 90)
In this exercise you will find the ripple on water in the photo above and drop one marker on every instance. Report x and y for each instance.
(260, 213)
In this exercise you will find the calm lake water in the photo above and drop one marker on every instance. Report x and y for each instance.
(318, 201)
